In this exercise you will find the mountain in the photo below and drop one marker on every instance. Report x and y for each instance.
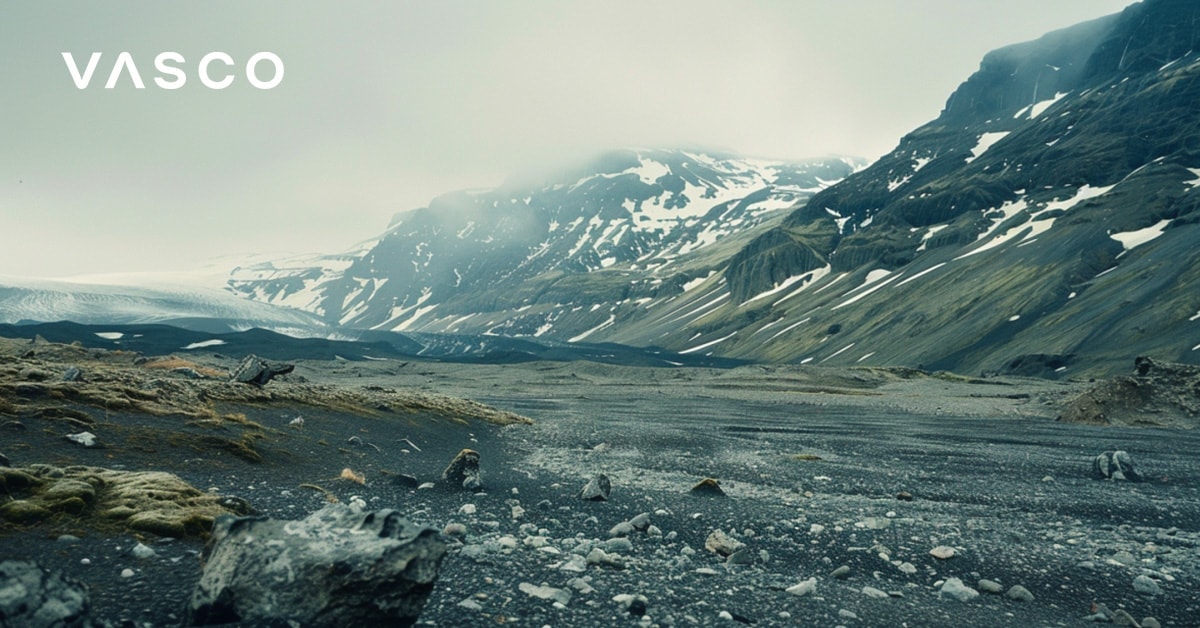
(1044, 223)
(562, 255)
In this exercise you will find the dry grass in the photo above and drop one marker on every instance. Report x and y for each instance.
(172, 362)
(349, 475)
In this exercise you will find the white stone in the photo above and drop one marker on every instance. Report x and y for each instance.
(954, 589)
(804, 588)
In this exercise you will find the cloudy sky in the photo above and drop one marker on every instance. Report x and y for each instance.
(385, 104)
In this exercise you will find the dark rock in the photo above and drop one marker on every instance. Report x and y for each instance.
(73, 374)
(237, 505)
(1114, 465)
(4, 461)
(597, 489)
(904, 496)
(337, 567)
(258, 372)
(464, 471)
(741, 556)
(33, 598)
(405, 480)
(708, 486)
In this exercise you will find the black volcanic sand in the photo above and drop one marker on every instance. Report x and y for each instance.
(991, 474)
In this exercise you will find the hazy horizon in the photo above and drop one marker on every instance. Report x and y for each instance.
(384, 106)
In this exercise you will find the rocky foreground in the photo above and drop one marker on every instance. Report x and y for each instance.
(760, 495)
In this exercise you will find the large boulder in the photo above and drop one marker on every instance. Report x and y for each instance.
(339, 566)
(256, 371)
(1115, 465)
(463, 471)
(33, 598)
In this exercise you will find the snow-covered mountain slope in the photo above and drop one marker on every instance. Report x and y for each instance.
(187, 299)
(1045, 223)
(553, 255)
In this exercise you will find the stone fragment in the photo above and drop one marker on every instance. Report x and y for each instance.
(87, 439)
(463, 471)
(1145, 585)
(989, 586)
(708, 486)
(954, 589)
(1019, 593)
(942, 552)
(804, 588)
(543, 592)
(1115, 465)
(722, 544)
(256, 371)
(337, 567)
(841, 573)
(31, 596)
(597, 489)
(875, 593)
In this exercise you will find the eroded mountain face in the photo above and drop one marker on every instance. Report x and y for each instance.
(558, 254)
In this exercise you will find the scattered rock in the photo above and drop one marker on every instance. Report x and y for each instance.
(1122, 618)
(256, 371)
(621, 529)
(187, 372)
(875, 593)
(804, 588)
(543, 592)
(708, 486)
(464, 471)
(1019, 593)
(954, 589)
(634, 604)
(942, 552)
(339, 566)
(741, 556)
(989, 586)
(1114, 465)
(1145, 585)
(30, 596)
(1150, 622)
(600, 557)
(904, 496)
(87, 439)
(142, 552)
(597, 489)
(841, 573)
(722, 544)
(73, 374)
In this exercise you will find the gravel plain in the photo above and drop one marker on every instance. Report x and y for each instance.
(841, 486)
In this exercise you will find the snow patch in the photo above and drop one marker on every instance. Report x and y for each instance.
(986, 141)
(1131, 239)
(110, 335)
(709, 344)
(215, 342)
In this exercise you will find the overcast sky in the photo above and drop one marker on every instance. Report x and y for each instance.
(386, 104)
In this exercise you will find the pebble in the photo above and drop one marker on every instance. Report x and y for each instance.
(942, 552)
(640, 522)
(1145, 585)
(618, 545)
(426, 486)
(989, 586)
(543, 592)
(804, 588)
(845, 614)
(1150, 622)
(816, 528)
(470, 604)
(575, 563)
(875, 593)
(954, 588)
(126, 573)
(621, 529)
(1122, 618)
(1019, 593)
(726, 615)
(143, 552)
(455, 529)
(907, 568)
(67, 538)
(841, 573)
(467, 509)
